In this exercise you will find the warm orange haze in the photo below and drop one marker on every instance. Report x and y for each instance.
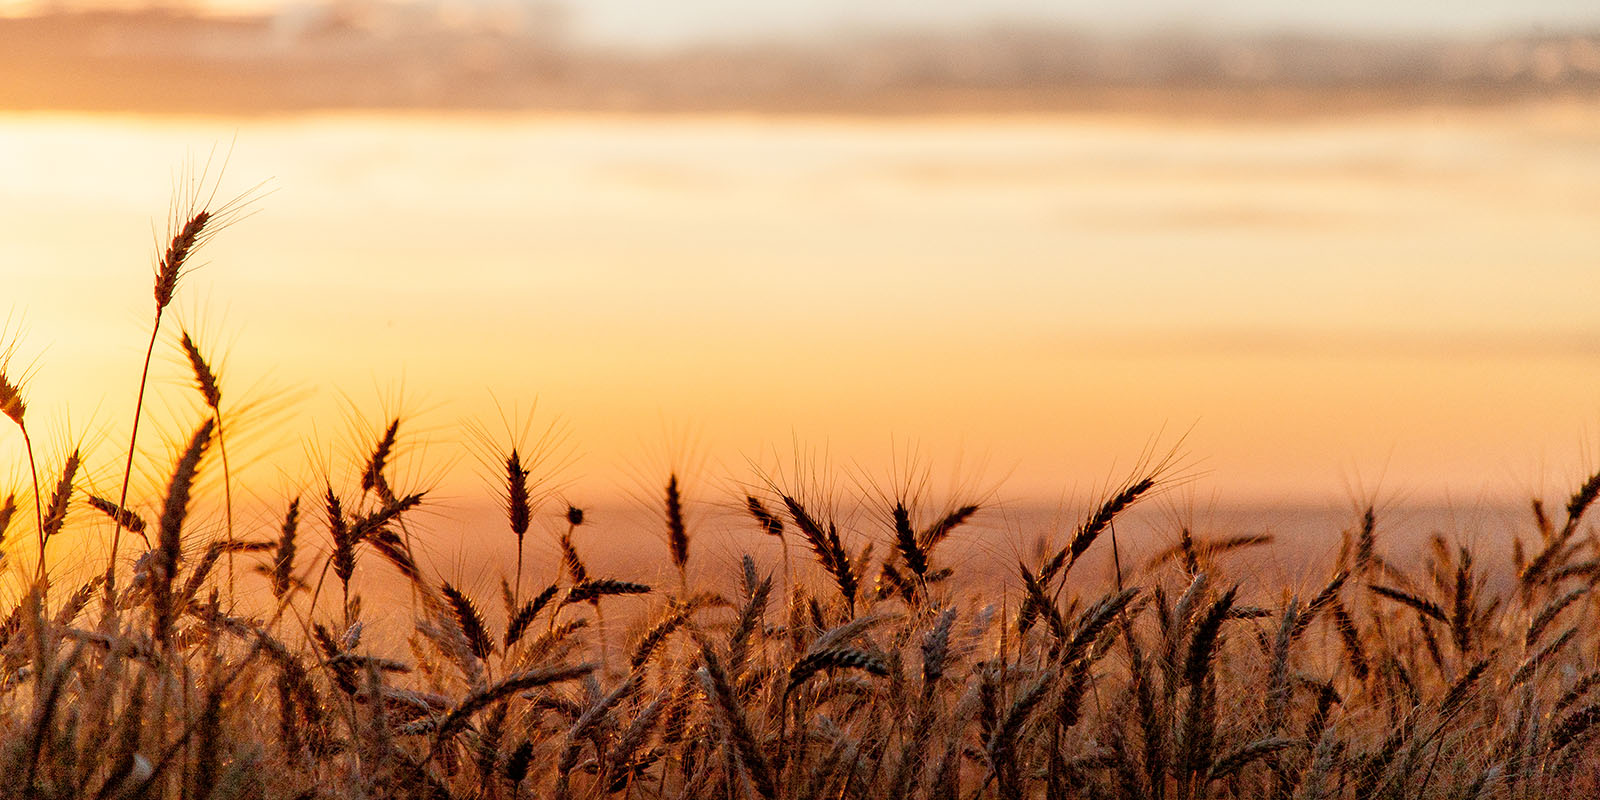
(1025, 400)
(1400, 300)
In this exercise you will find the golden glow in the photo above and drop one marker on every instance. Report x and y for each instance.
(1406, 297)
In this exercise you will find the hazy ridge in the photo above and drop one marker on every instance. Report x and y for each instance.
(393, 57)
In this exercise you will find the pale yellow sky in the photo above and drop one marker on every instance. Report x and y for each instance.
(1403, 302)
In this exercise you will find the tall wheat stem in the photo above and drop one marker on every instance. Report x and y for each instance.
(38, 505)
(127, 467)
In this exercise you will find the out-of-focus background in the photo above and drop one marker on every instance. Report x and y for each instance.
(1345, 251)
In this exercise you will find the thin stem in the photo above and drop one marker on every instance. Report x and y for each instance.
(516, 589)
(227, 500)
(38, 506)
(127, 469)
(1116, 557)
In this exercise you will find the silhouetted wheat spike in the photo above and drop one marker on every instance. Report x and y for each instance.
(518, 624)
(942, 527)
(905, 541)
(55, 514)
(169, 268)
(1108, 511)
(833, 658)
(1579, 503)
(1001, 745)
(1243, 755)
(11, 402)
(1350, 638)
(1421, 604)
(1548, 613)
(1192, 550)
(595, 589)
(8, 509)
(126, 517)
(372, 477)
(1366, 541)
(724, 702)
(206, 381)
(936, 651)
(1091, 528)
(756, 592)
(210, 388)
(658, 632)
(453, 722)
(470, 619)
(1323, 600)
(828, 548)
(1036, 602)
(516, 768)
(344, 545)
(283, 561)
(1578, 725)
(677, 533)
(519, 510)
(770, 524)
(183, 244)
(12, 405)
(1199, 723)
(170, 544)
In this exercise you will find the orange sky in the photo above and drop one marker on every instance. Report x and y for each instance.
(1401, 303)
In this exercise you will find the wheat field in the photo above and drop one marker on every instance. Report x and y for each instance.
(858, 672)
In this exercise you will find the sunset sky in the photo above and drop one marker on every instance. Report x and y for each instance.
(1327, 307)
(1397, 301)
